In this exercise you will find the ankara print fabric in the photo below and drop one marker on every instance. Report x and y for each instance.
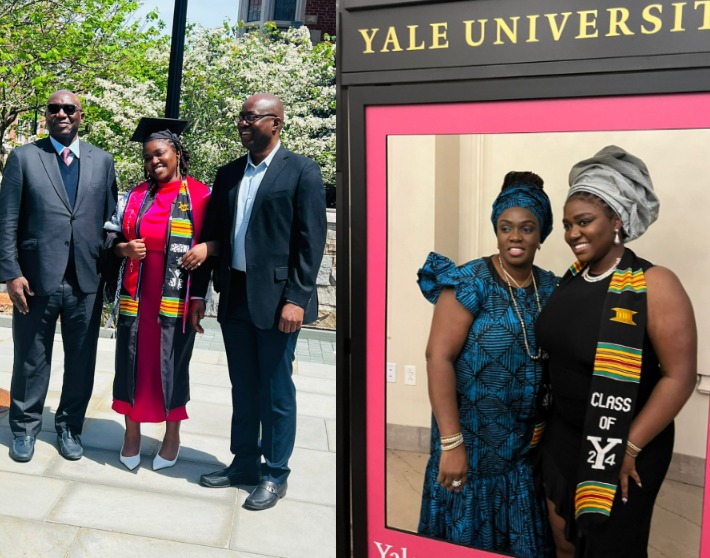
(496, 384)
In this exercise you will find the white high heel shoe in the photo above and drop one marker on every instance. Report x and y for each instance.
(160, 463)
(130, 461)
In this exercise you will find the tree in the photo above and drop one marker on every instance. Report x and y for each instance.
(46, 45)
(120, 67)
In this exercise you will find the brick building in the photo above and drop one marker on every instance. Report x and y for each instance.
(317, 15)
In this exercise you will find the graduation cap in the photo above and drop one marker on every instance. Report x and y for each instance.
(149, 126)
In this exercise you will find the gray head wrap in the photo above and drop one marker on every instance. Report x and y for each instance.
(623, 182)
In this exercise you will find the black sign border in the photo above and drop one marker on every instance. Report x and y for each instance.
(689, 73)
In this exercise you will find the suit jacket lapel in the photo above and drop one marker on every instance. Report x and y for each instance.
(269, 180)
(48, 157)
(86, 167)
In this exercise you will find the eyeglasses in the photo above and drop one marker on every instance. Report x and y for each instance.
(54, 108)
(251, 118)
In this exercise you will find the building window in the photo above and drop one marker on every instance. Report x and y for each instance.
(285, 10)
(254, 10)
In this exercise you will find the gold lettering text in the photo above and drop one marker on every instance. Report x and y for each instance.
(678, 20)
(706, 13)
(532, 25)
(554, 27)
(438, 36)
(368, 39)
(391, 40)
(512, 34)
(469, 38)
(654, 19)
(617, 21)
(585, 23)
(413, 39)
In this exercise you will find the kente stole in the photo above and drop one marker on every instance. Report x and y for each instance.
(180, 238)
(613, 390)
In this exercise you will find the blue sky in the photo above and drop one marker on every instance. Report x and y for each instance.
(209, 13)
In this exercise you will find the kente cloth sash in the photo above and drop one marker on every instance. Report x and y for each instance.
(613, 390)
(181, 237)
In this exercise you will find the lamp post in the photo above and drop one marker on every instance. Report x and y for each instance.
(177, 47)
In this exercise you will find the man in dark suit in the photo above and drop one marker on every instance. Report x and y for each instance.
(267, 214)
(55, 196)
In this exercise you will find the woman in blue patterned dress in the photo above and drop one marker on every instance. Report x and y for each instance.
(484, 375)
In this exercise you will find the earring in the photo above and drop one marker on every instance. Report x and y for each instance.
(617, 240)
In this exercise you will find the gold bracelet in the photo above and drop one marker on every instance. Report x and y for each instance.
(452, 445)
(452, 438)
(633, 447)
(634, 455)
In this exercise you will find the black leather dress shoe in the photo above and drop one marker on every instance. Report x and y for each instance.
(265, 496)
(22, 448)
(229, 476)
(70, 445)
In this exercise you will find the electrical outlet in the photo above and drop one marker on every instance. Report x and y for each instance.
(410, 375)
(391, 372)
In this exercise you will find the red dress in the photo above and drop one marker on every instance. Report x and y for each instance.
(148, 400)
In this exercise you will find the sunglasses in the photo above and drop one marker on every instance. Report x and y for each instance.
(251, 118)
(53, 108)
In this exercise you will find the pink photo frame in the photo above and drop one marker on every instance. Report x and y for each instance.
(647, 112)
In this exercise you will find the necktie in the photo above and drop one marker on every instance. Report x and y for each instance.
(65, 155)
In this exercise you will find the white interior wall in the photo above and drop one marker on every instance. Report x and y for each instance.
(423, 189)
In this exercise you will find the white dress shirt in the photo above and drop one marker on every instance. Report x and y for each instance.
(253, 175)
(74, 148)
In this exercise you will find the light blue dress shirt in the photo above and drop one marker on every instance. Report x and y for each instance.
(253, 175)
(74, 148)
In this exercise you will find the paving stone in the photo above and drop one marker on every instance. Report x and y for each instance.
(316, 370)
(207, 418)
(330, 426)
(105, 510)
(149, 514)
(91, 543)
(316, 404)
(289, 530)
(101, 467)
(211, 452)
(311, 433)
(219, 395)
(34, 538)
(314, 385)
(312, 477)
(28, 497)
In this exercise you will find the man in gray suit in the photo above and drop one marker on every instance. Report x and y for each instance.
(55, 196)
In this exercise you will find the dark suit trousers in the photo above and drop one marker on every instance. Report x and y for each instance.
(263, 394)
(33, 337)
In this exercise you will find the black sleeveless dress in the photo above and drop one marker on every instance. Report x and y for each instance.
(568, 329)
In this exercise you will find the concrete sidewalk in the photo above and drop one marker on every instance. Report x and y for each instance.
(95, 507)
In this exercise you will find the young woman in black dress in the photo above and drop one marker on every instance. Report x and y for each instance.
(622, 344)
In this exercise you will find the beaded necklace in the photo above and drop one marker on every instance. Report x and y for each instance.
(594, 278)
(517, 310)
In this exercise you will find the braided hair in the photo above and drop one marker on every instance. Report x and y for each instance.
(182, 154)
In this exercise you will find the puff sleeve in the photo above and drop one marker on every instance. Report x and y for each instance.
(439, 272)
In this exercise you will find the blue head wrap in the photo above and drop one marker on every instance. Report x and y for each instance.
(527, 196)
